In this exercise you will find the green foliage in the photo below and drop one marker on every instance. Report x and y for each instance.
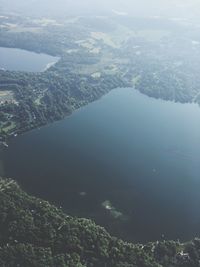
(165, 67)
(42, 98)
(36, 234)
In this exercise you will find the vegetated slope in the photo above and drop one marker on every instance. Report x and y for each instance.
(158, 57)
(36, 233)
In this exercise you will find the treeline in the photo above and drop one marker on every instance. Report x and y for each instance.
(48, 96)
(167, 69)
(34, 233)
(158, 69)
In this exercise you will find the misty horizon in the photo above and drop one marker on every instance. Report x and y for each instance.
(145, 8)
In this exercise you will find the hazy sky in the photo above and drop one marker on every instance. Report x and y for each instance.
(184, 8)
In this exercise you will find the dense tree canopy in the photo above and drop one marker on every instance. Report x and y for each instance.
(157, 57)
(35, 233)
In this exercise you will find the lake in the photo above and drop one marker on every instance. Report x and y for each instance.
(21, 60)
(130, 162)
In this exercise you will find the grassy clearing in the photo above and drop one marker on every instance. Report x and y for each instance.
(96, 75)
(152, 35)
(9, 128)
(107, 39)
(136, 79)
(6, 96)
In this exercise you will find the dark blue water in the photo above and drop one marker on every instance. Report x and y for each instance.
(22, 60)
(140, 154)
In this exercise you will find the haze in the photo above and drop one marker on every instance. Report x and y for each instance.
(166, 8)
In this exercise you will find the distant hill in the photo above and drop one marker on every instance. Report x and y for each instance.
(51, 8)
(34, 233)
(166, 8)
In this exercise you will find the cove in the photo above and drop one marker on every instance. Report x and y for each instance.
(130, 162)
(14, 59)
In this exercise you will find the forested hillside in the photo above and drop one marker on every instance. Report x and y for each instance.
(34, 233)
(158, 57)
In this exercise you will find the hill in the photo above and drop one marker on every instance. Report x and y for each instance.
(35, 233)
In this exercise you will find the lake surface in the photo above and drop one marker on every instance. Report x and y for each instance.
(22, 60)
(139, 154)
